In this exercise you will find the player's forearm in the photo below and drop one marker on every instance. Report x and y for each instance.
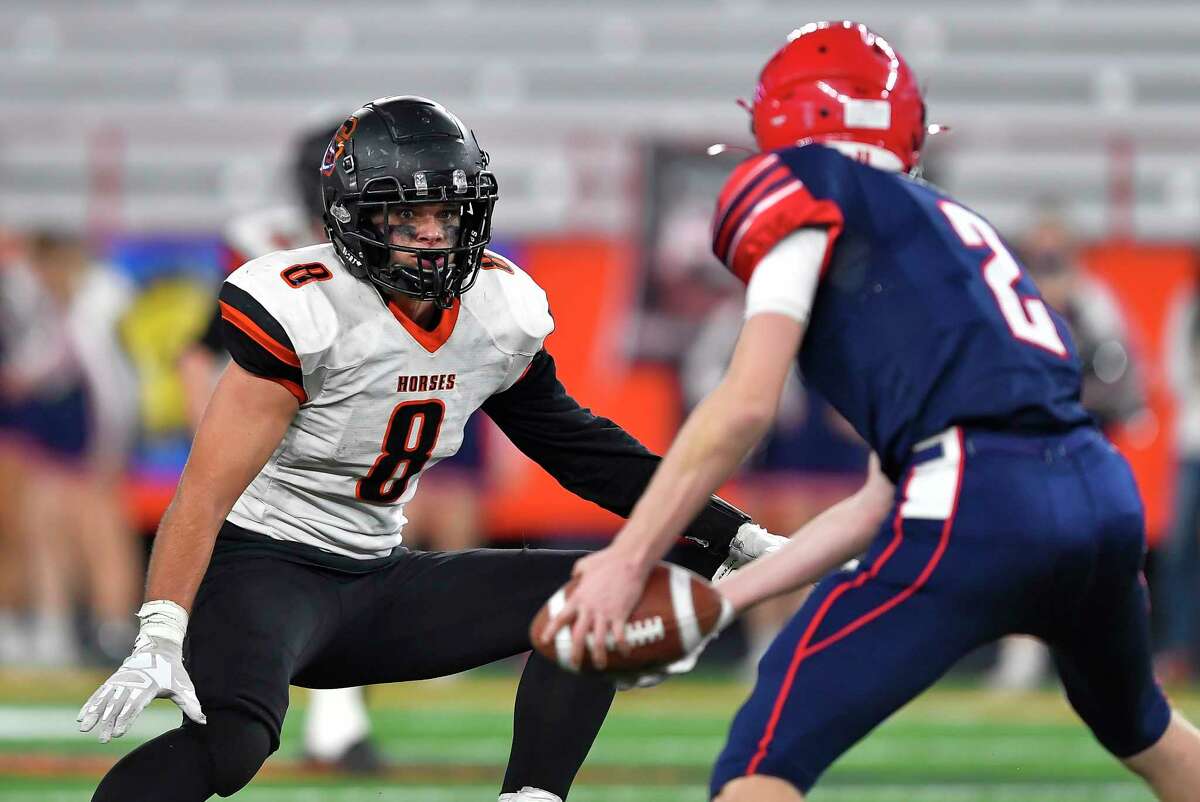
(841, 532)
(713, 442)
(243, 424)
(183, 548)
(212, 481)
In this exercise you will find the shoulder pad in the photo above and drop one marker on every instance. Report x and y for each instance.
(301, 290)
(762, 202)
(510, 305)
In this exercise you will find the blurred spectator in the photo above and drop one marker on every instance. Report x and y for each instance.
(681, 283)
(69, 409)
(289, 225)
(13, 591)
(110, 548)
(1112, 386)
(1180, 597)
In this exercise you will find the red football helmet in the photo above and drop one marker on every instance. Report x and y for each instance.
(838, 81)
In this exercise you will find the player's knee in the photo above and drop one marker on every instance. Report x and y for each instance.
(1134, 731)
(237, 744)
(759, 788)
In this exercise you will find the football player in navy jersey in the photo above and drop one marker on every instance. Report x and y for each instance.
(355, 366)
(993, 504)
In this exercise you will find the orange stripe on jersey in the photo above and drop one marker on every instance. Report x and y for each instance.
(290, 386)
(252, 330)
(431, 341)
(494, 261)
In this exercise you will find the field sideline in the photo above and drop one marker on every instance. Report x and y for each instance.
(448, 740)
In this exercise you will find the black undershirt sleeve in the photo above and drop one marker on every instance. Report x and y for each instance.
(591, 456)
(211, 340)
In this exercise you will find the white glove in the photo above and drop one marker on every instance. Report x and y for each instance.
(154, 670)
(750, 543)
(683, 665)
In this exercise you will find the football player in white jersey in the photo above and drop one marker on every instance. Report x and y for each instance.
(355, 367)
(336, 723)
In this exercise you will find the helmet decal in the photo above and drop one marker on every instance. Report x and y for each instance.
(337, 146)
(340, 213)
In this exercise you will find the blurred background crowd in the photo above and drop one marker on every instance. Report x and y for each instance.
(131, 186)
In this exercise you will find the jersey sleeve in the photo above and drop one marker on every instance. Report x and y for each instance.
(513, 309)
(762, 202)
(785, 280)
(258, 342)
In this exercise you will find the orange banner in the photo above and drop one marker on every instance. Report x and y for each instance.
(1148, 281)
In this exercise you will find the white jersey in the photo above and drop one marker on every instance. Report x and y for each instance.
(381, 400)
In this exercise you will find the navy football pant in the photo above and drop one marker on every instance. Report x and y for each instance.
(990, 534)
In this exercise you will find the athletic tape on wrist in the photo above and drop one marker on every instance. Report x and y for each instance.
(163, 619)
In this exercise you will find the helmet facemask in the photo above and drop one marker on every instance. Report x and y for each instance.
(362, 229)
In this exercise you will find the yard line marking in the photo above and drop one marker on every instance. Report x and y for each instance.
(45, 722)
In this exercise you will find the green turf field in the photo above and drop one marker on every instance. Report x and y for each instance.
(449, 740)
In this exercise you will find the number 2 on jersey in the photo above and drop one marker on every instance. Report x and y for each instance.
(411, 435)
(1028, 318)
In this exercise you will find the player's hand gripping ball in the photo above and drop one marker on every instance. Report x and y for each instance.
(676, 615)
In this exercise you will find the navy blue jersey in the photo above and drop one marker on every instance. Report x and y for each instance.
(923, 317)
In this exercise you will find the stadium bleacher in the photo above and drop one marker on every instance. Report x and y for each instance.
(191, 127)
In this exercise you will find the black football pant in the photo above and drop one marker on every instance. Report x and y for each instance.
(262, 623)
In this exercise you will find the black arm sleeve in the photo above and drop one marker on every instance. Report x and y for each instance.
(591, 456)
(211, 340)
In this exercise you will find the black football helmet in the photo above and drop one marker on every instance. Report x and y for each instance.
(400, 151)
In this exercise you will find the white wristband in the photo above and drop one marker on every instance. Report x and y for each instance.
(163, 619)
(750, 528)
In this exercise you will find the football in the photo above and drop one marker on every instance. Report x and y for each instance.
(676, 611)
